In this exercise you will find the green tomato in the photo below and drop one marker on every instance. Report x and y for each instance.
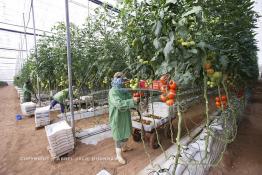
(212, 78)
(180, 40)
(185, 44)
(217, 75)
(133, 86)
(145, 62)
(135, 42)
(192, 43)
(191, 18)
(132, 81)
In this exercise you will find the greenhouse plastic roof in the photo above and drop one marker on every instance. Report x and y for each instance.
(47, 12)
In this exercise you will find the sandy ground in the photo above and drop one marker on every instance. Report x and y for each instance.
(23, 149)
(244, 155)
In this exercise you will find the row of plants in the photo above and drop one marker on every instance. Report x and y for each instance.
(148, 39)
(97, 52)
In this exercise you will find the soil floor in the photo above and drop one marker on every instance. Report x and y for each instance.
(23, 149)
(244, 155)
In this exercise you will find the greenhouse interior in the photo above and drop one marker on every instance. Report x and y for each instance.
(131, 87)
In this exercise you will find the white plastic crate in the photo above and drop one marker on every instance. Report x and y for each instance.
(42, 116)
(60, 138)
(28, 108)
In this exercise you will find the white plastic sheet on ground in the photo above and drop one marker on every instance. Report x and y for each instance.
(93, 140)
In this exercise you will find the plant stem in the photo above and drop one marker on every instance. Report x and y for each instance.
(207, 113)
(179, 129)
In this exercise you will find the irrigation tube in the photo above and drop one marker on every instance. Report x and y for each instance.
(69, 65)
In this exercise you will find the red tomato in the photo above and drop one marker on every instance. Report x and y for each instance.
(224, 98)
(207, 66)
(172, 90)
(210, 71)
(164, 79)
(163, 98)
(140, 94)
(171, 95)
(218, 103)
(156, 85)
(172, 84)
(170, 102)
(142, 84)
(163, 89)
(217, 99)
(136, 94)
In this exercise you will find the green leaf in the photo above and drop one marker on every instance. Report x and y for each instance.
(154, 58)
(168, 49)
(224, 62)
(194, 10)
(194, 51)
(158, 28)
(162, 69)
(162, 14)
(171, 1)
(157, 43)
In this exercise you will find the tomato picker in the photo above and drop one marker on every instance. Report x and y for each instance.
(27, 91)
(120, 102)
(60, 98)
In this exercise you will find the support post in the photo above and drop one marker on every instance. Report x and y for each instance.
(37, 78)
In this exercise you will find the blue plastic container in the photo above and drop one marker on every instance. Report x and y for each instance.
(18, 117)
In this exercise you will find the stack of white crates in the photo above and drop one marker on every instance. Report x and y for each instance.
(20, 94)
(42, 116)
(28, 108)
(60, 138)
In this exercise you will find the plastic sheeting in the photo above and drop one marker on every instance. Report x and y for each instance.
(94, 135)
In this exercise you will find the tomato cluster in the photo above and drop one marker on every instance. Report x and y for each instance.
(133, 83)
(136, 83)
(137, 94)
(168, 89)
(222, 101)
(215, 77)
